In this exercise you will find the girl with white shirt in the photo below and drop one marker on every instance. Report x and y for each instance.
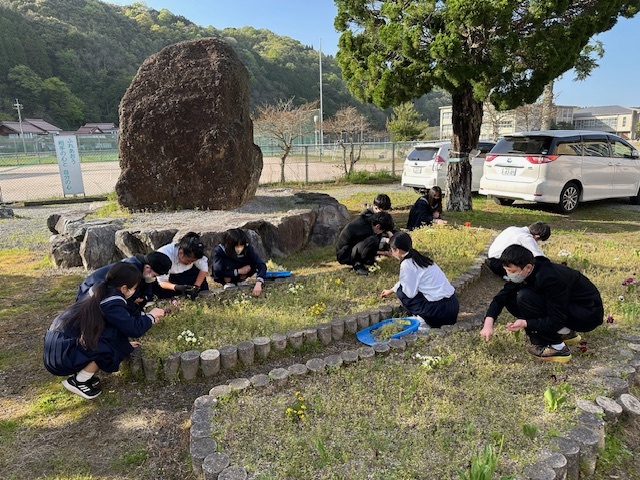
(422, 288)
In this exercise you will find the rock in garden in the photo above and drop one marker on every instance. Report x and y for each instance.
(186, 135)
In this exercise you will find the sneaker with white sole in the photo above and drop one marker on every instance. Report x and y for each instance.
(229, 286)
(360, 269)
(571, 338)
(243, 284)
(547, 353)
(84, 389)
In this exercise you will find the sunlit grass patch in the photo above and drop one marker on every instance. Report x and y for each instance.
(22, 261)
(387, 413)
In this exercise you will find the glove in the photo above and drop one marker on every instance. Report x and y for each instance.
(192, 292)
(182, 288)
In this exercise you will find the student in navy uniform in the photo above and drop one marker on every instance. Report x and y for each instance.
(189, 268)
(423, 288)
(94, 332)
(151, 265)
(362, 239)
(235, 260)
(426, 210)
(551, 302)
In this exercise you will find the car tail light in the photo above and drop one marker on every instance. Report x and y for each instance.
(490, 156)
(538, 159)
(439, 159)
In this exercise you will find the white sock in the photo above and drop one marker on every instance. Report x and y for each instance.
(83, 376)
(558, 346)
(564, 331)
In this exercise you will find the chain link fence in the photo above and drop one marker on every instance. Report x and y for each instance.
(29, 168)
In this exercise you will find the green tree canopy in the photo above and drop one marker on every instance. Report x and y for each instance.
(405, 123)
(392, 52)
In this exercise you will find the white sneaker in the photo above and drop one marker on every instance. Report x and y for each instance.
(229, 286)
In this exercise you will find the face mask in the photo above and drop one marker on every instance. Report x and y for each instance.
(517, 277)
(239, 250)
(148, 278)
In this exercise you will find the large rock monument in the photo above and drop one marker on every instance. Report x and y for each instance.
(186, 138)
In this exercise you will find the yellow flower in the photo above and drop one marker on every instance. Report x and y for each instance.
(303, 407)
(297, 393)
(289, 410)
(302, 417)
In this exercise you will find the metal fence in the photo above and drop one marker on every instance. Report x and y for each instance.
(34, 175)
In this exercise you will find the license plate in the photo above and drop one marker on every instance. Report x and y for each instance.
(417, 169)
(509, 171)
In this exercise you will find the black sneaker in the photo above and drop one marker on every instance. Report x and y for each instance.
(547, 353)
(360, 269)
(84, 389)
(571, 338)
(94, 381)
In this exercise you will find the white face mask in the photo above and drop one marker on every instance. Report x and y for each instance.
(148, 278)
(518, 277)
(129, 292)
(239, 250)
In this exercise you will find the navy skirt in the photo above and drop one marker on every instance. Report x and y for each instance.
(63, 355)
(436, 314)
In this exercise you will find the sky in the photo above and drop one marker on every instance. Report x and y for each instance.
(615, 82)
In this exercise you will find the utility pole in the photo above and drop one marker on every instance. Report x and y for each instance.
(320, 65)
(18, 107)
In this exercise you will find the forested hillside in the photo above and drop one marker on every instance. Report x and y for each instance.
(70, 61)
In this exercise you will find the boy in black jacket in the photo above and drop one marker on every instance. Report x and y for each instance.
(551, 302)
(364, 238)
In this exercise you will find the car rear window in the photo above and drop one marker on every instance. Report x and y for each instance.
(423, 154)
(523, 145)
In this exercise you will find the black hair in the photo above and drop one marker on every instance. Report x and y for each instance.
(402, 241)
(516, 255)
(191, 245)
(384, 219)
(436, 204)
(86, 316)
(233, 238)
(382, 201)
(541, 229)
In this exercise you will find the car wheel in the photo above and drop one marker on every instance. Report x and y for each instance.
(636, 199)
(569, 198)
(504, 201)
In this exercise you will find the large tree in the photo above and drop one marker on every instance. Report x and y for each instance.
(392, 51)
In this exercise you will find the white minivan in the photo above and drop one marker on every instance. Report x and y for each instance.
(426, 165)
(562, 167)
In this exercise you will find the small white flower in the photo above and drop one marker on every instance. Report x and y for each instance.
(621, 298)
(564, 253)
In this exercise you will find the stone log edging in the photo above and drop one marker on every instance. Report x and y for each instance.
(204, 450)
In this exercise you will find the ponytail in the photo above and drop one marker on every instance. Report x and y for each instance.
(402, 241)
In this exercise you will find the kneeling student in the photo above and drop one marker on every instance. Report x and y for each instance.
(422, 288)
(235, 260)
(551, 302)
(94, 332)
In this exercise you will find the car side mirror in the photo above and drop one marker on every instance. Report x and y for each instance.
(474, 153)
(635, 153)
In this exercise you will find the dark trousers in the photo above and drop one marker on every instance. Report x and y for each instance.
(363, 252)
(530, 304)
(185, 278)
(436, 314)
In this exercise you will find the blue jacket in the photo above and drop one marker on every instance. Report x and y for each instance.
(225, 265)
(144, 290)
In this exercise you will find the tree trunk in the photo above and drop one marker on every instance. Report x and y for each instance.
(467, 120)
(547, 107)
(283, 159)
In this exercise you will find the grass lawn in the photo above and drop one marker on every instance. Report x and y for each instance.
(392, 418)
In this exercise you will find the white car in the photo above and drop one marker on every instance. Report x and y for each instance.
(562, 167)
(426, 166)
